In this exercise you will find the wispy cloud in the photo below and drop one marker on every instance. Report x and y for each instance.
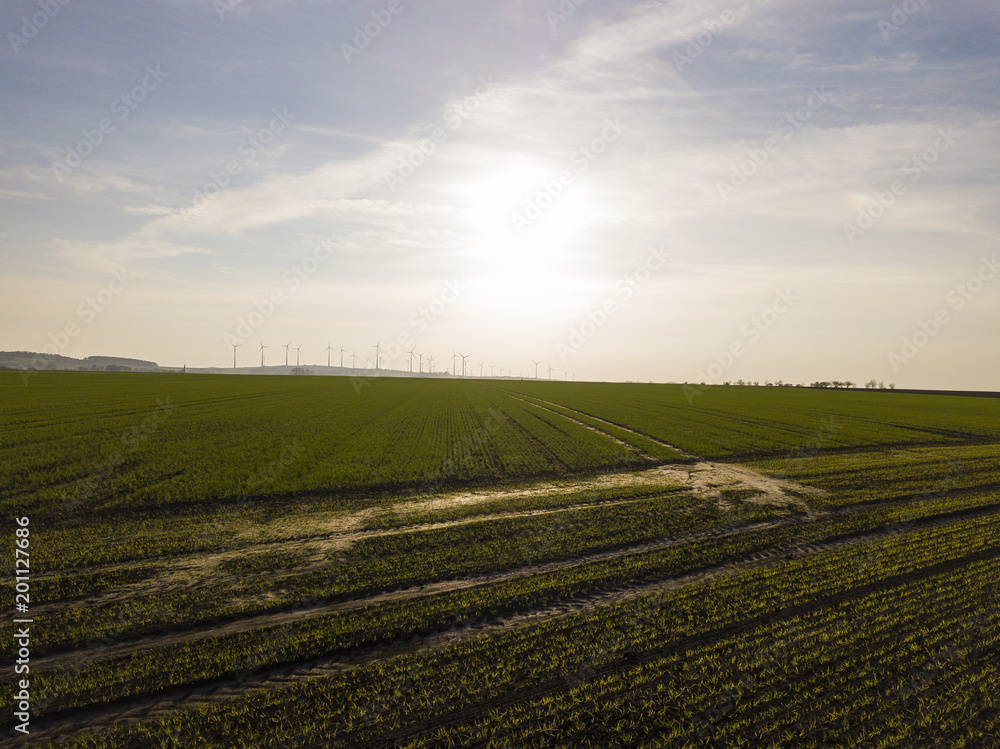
(698, 90)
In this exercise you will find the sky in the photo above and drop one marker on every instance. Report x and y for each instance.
(696, 191)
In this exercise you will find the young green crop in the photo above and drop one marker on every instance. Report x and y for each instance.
(151, 670)
(169, 511)
(419, 700)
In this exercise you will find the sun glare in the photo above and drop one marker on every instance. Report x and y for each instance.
(526, 228)
(525, 219)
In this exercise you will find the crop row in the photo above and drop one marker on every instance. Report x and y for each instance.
(223, 657)
(649, 446)
(920, 473)
(736, 422)
(385, 562)
(77, 446)
(80, 445)
(388, 701)
(807, 679)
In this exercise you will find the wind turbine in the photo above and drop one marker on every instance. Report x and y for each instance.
(286, 347)
(453, 357)
(354, 360)
(329, 348)
(298, 354)
(262, 347)
(550, 371)
(342, 350)
(235, 346)
(378, 350)
(410, 352)
(536, 363)
(481, 369)
(492, 367)
(464, 357)
(421, 363)
(430, 363)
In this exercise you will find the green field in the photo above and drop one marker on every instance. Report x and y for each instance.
(319, 561)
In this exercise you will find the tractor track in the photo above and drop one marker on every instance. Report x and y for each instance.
(65, 724)
(703, 477)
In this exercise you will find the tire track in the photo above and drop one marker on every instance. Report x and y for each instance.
(631, 660)
(131, 710)
(710, 476)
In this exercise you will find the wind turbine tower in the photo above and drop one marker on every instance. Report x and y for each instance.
(262, 347)
(235, 346)
(286, 347)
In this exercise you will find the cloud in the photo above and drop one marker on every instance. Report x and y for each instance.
(698, 87)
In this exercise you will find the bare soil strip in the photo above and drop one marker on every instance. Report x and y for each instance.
(704, 478)
(535, 400)
(218, 629)
(331, 534)
(131, 711)
(192, 572)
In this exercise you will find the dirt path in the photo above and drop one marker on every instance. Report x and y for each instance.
(131, 711)
(337, 531)
(195, 571)
(333, 533)
(704, 477)
(535, 400)
(65, 659)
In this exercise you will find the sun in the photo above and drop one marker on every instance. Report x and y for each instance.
(525, 215)
(525, 226)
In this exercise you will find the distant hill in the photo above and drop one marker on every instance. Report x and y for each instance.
(31, 360)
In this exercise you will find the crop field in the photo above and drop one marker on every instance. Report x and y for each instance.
(224, 561)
